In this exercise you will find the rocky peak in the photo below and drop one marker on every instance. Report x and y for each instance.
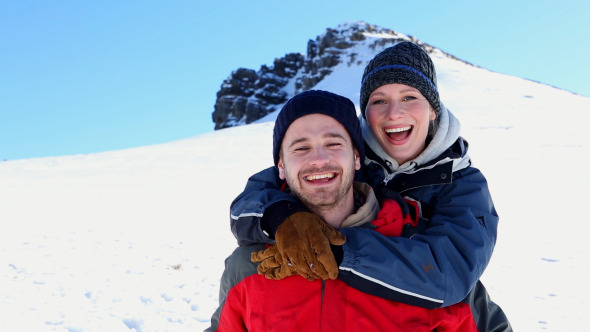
(248, 95)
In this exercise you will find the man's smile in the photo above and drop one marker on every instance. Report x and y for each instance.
(324, 177)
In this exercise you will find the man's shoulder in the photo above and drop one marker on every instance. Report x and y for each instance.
(243, 253)
(238, 265)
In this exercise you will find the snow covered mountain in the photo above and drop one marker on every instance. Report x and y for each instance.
(248, 95)
(135, 239)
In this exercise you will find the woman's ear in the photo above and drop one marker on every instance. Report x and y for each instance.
(432, 114)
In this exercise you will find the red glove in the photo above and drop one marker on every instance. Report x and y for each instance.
(396, 212)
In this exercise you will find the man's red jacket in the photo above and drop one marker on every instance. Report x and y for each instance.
(250, 302)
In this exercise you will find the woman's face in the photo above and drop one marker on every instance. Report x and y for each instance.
(399, 116)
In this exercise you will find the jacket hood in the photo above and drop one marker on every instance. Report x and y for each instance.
(368, 211)
(445, 136)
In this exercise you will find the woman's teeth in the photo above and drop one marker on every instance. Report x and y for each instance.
(397, 130)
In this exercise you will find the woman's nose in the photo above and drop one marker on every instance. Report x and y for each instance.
(395, 109)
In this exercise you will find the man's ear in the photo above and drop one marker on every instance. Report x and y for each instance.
(281, 168)
(357, 160)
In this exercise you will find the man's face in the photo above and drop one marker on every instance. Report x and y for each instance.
(318, 161)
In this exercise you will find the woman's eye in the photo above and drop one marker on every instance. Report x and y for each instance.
(408, 98)
(378, 101)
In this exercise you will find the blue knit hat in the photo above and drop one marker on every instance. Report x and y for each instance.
(405, 63)
(318, 102)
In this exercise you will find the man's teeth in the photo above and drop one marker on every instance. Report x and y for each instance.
(320, 176)
(397, 130)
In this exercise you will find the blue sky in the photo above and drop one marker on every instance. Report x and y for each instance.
(90, 76)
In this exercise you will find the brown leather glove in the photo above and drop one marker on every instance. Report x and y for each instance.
(272, 265)
(302, 247)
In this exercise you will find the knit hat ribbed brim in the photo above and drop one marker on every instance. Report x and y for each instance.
(320, 102)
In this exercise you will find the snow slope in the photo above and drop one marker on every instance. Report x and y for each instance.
(135, 239)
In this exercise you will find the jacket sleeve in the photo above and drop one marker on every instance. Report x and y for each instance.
(231, 315)
(438, 266)
(487, 314)
(263, 190)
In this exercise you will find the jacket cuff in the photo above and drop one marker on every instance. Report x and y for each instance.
(276, 213)
(338, 252)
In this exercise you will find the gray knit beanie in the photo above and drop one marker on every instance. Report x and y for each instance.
(405, 63)
(322, 102)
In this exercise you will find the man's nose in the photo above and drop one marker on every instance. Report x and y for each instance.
(319, 156)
